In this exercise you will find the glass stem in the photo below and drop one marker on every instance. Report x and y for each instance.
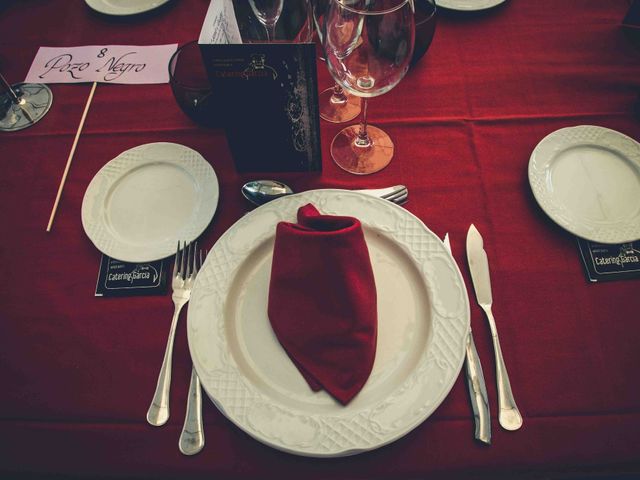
(338, 95)
(363, 140)
(271, 31)
(7, 87)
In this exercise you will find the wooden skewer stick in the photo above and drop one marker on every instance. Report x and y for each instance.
(73, 149)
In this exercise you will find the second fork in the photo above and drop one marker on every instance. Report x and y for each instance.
(192, 436)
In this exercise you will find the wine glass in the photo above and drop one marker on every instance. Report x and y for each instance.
(268, 12)
(368, 46)
(334, 104)
(23, 104)
(191, 87)
(283, 21)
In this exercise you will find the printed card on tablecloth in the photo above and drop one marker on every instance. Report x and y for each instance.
(605, 262)
(102, 63)
(122, 279)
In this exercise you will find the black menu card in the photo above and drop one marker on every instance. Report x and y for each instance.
(632, 18)
(604, 262)
(631, 23)
(266, 93)
(120, 279)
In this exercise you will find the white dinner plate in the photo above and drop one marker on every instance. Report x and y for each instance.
(587, 179)
(141, 203)
(124, 7)
(423, 321)
(468, 5)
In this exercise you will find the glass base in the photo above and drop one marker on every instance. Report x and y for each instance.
(34, 102)
(362, 160)
(335, 111)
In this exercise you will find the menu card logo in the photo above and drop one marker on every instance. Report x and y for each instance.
(141, 272)
(117, 278)
(258, 68)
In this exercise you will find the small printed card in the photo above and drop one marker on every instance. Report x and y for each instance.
(120, 279)
(605, 262)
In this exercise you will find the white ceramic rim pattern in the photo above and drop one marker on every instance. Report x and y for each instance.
(351, 431)
(137, 6)
(570, 137)
(468, 5)
(93, 209)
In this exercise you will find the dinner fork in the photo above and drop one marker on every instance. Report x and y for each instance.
(192, 435)
(184, 275)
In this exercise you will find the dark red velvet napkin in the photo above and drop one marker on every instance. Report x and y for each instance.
(322, 301)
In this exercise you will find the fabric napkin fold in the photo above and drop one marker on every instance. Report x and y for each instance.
(322, 301)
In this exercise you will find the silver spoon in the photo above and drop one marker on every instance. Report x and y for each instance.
(260, 192)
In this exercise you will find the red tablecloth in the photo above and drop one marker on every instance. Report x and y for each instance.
(77, 372)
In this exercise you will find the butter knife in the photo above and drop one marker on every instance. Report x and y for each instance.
(508, 413)
(475, 380)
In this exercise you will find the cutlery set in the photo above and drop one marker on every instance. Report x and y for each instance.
(509, 416)
(187, 263)
(475, 381)
(259, 192)
(189, 260)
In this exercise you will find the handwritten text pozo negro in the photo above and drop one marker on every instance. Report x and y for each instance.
(102, 63)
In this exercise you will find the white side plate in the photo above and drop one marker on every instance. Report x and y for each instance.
(124, 7)
(423, 320)
(468, 5)
(141, 203)
(587, 179)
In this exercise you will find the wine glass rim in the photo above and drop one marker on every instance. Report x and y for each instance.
(173, 61)
(433, 12)
(377, 12)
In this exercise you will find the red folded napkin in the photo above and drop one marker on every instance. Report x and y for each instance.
(322, 301)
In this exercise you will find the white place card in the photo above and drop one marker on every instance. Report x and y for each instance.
(102, 63)
(220, 26)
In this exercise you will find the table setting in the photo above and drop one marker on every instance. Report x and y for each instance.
(320, 238)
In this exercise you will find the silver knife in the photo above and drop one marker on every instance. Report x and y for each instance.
(475, 380)
(508, 414)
